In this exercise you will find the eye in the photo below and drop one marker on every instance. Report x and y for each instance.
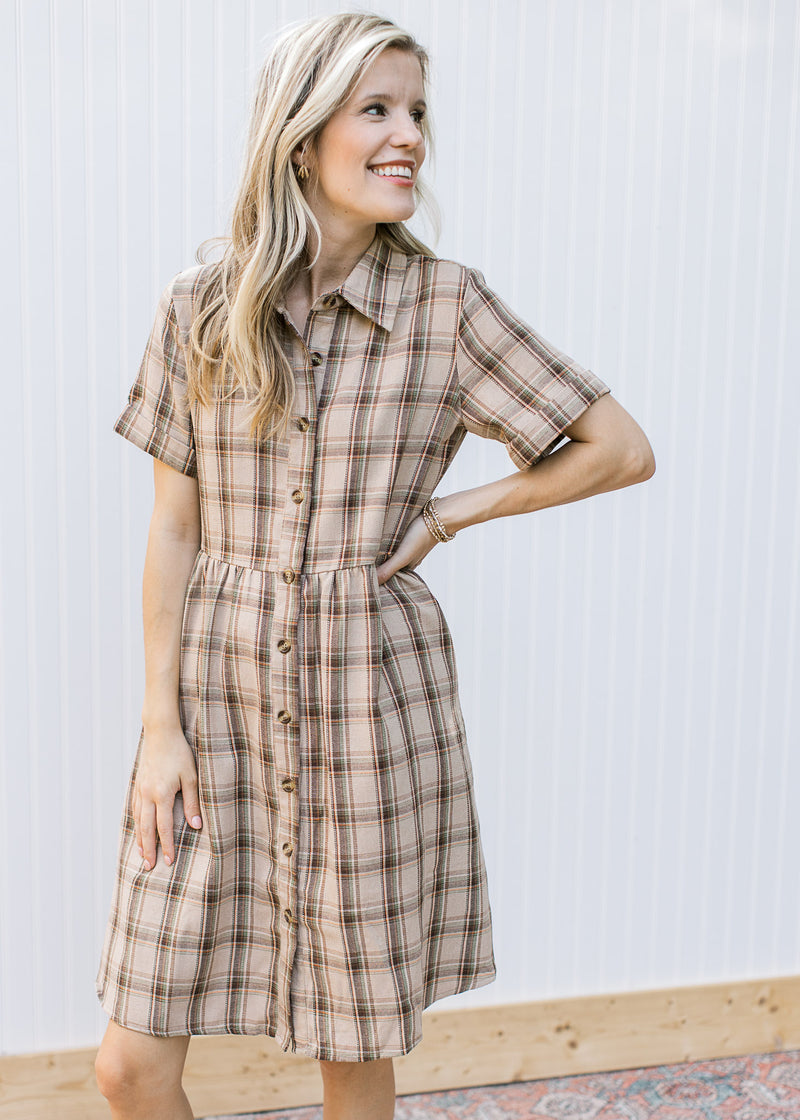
(417, 114)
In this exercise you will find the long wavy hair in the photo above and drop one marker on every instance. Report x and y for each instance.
(309, 73)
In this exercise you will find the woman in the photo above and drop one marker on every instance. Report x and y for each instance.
(302, 762)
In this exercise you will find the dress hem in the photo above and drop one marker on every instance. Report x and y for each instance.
(306, 1050)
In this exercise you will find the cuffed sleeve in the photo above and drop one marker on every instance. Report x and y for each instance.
(513, 385)
(157, 418)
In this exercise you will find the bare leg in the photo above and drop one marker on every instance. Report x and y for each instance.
(140, 1074)
(358, 1090)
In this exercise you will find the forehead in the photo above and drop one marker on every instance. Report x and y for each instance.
(394, 71)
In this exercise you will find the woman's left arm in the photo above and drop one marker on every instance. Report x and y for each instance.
(607, 450)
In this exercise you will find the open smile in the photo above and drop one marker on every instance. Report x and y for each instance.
(394, 173)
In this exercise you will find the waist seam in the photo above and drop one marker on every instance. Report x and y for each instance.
(299, 571)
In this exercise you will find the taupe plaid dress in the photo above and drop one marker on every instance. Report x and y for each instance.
(338, 885)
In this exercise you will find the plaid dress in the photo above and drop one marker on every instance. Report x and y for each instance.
(337, 886)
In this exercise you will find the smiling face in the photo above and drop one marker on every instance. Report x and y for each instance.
(377, 127)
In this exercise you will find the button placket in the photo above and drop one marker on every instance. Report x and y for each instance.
(284, 685)
(284, 670)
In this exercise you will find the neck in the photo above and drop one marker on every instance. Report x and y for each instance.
(338, 257)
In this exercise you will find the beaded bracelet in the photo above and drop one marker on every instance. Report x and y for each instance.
(434, 522)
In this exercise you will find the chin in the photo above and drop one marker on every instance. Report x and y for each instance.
(396, 214)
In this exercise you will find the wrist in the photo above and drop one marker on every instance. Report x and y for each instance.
(435, 526)
(162, 719)
(454, 512)
(472, 507)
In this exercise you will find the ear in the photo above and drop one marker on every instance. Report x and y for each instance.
(300, 155)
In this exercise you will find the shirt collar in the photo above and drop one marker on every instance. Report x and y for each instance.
(376, 282)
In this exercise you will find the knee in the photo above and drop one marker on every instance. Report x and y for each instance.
(123, 1076)
(116, 1075)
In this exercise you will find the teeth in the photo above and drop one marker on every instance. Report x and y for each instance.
(404, 171)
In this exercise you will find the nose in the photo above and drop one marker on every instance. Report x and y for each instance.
(408, 134)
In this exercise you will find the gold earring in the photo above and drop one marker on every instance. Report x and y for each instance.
(302, 172)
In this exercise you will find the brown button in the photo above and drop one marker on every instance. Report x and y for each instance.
(330, 301)
(284, 716)
(316, 357)
(288, 784)
(288, 575)
(284, 645)
(288, 849)
(289, 916)
(297, 496)
(302, 423)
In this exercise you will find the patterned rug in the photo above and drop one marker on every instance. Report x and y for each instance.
(761, 1087)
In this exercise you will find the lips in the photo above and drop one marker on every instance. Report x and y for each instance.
(404, 170)
(395, 172)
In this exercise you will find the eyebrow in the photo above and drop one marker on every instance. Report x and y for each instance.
(387, 97)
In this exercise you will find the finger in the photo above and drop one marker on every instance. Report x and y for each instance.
(166, 828)
(137, 832)
(148, 826)
(191, 802)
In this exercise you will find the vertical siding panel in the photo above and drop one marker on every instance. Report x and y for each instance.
(625, 749)
(657, 365)
(11, 509)
(727, 545)
(38, 778)
(694, 925)
(784, 904)
(55, 974)
(68, 834)
(735, 832)
(668, 821)
(15, 553)
(754, 600)
(779, 425)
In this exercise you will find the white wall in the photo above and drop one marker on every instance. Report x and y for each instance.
(625, 173)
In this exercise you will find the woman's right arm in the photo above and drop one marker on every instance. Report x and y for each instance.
(167, 763)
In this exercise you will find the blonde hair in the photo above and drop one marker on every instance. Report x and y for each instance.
(309, 73)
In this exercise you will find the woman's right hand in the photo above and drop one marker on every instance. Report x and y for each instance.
(166, 765)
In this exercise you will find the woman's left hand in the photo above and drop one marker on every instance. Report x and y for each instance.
(413, 548)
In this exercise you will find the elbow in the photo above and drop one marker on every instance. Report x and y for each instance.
(640, 462)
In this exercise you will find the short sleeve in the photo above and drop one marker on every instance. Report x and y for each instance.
(157, 418)
(514, 385)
